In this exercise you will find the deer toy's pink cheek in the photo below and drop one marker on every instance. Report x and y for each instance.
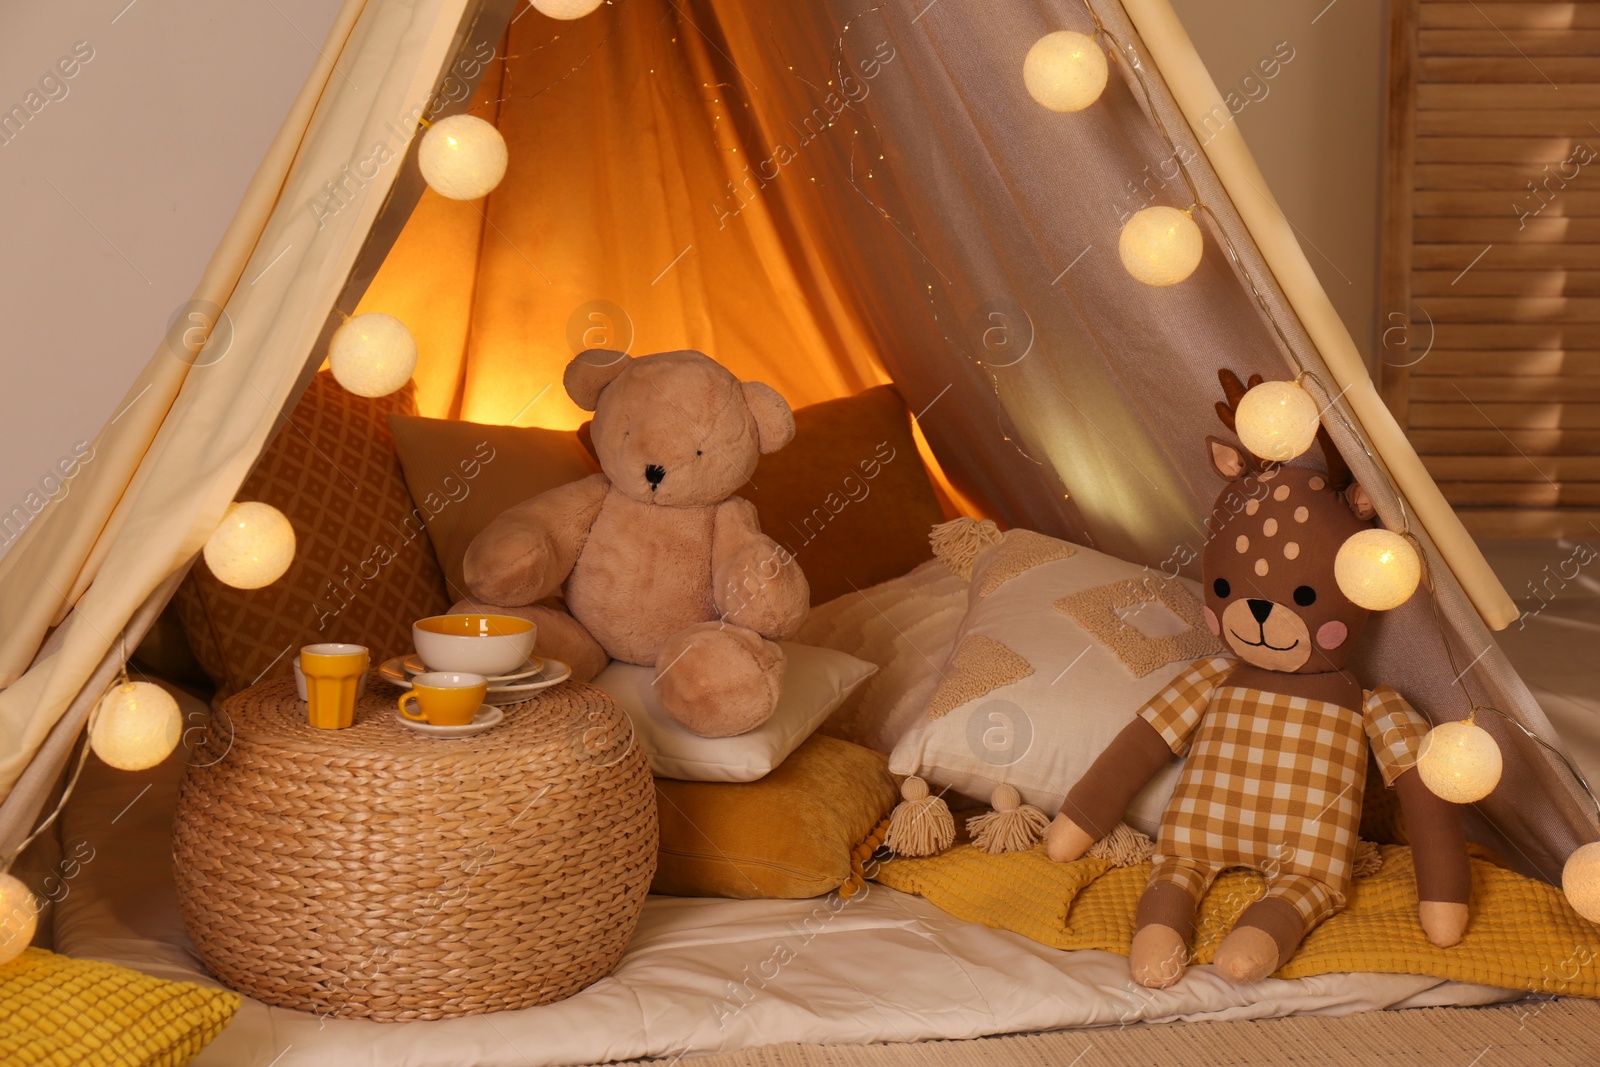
(1211, 621)
(1332, 634)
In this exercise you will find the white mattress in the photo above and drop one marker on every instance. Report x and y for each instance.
(700, 975)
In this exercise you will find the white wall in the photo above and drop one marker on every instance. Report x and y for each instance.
(116, 192)
(1316, 129)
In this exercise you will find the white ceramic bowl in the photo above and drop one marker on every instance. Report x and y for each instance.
(474, 644)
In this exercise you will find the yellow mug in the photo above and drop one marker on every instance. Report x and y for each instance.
(333, 672)
(444, 698)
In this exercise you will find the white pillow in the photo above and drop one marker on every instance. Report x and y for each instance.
(815, 681)
(904, 625)
(1029, 694)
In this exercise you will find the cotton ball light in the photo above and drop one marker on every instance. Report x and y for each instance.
(565, 9)
(251, 547)
(1065, 71)
(372, 354)
(1160, 245)
(1377, 569)
(19, 918)
(462, 157)
(136, 727)
(1277, 421)
(1459, 762)
(1580, 880)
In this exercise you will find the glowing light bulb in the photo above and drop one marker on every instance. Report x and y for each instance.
(372, 354)
(1277, 421)
(1459, 762)
(462, 157)
(1065, 71)
(1160, 245)
(565, 9)
(1580, 880)
(1377, 569)
(251, 547)
(137, 725)
(19, 918)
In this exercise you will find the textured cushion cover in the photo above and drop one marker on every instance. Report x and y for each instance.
(1523, 933)
(1030, 695)
(363, 569)
(59, 1010)
(787, 835)
(849, 496)
(815, 680)
(472, 472)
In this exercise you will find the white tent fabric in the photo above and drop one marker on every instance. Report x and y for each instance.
(172, 466)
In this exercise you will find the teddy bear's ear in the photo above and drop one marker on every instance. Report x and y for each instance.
(590, 372)
(774, 420)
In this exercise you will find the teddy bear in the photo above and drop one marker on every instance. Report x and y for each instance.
(659, 562)
(1276, 736)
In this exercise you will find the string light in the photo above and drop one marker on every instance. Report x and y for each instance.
(1065, 71)
(136, 726)
(462, 157)
(1460, 762)
(19, 917)
(1277, 421)
(565, 9)
(1580, 880)
(1377, 569)
(251, 547)
(372, 354)
(1160, 245)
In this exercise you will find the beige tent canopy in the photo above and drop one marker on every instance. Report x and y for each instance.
(826, 237)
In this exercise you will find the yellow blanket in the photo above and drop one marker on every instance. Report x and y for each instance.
(1523, 934)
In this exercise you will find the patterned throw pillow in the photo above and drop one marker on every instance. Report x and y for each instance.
(363, 569)
(1060, 647)
(58, 1010)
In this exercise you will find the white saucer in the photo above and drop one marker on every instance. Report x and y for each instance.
(413, 664)
(552, 672)
(487, 718)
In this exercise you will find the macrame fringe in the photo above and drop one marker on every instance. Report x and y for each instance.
(1368, 860)
(957, 543)
(920, 825)
(1123, 847)
(1011, 827)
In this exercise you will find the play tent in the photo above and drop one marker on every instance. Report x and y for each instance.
(824, 196)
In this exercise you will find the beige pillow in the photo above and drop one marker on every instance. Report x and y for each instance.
(462, 475)
(1060, 647)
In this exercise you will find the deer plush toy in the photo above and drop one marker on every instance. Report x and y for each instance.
(1277, 738)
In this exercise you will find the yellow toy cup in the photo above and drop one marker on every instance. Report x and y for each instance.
(444, 698)
(333, 673)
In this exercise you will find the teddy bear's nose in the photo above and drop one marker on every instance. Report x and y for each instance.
(1261, 609)
(653, 474)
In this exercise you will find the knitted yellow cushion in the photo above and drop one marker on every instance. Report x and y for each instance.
(1523, 934)
(65, 1012)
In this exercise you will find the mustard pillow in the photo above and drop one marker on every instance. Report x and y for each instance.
(57, 1010)
(788, 835)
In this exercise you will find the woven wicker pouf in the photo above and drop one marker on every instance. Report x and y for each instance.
(376, 873)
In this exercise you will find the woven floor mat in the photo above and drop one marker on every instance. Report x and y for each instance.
(1528, 1032)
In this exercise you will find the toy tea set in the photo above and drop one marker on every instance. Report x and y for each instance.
(466, 668)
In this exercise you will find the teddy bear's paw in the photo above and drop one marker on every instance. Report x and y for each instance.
(718, 680)
(1247, 955)
(1158, 956)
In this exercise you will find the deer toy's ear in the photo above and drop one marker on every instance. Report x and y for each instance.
(1360, 502)
(1226, 460)
(590, 372)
